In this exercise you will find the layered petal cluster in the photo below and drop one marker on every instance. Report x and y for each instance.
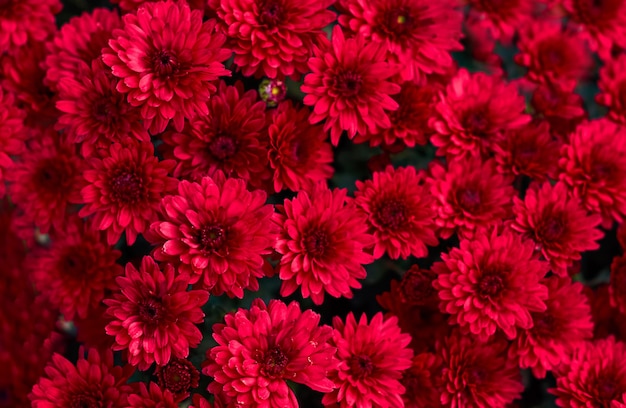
(24, 20)
(12, 135)
(322, 243)
(217, 232)
(349, 86)
(492, 282)
(273, 38)
(500, 20)
(472, 113)
(562, 109)
(260, 349)
(417, 34)
(372, 357)
(152, 396)
(423, 382)
(399, 212)
(122, 189)
(558, 223)
(179, 376)
(166, 60)
(612, 86)
(153, 316)
(133, 5)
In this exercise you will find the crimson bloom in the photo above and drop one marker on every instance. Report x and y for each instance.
(217, 232)
(153, 315)
(166, 59)
(322, 241)
(152, 396)
(492, 282)
(500, 20)
(179, 376)
(372, 357)
(562, 109)
(612, 86)
(349, 86)
(12, 134)
(259, 349)
(24, 20)
(423, 382)
(399, 212)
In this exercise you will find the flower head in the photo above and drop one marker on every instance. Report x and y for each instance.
(24, 20)
(500, 19)
(12, 134)
(179, 376)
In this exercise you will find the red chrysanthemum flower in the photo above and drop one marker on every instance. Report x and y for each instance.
(562, 109)
(612, 86)
(123, 188)
(24, 20)
(45, 180)
(469, 195)
(399, 212)
(607, 320)
(94, 381)
(298, 151)
(152, 396)
(529, 151)
(417, 34)
(593, 167)
(349, 86)
(372, 357)
(492, 282)
(260, 349)
(12, 135)
(473, 112)
(76, 270)
(501, 20)
(423, 382)
(553, 55)
(179, 376)
(557, 331)
(133, 5)
(558, 224)
(154, 317)
(166, 59)
(617, 284)
(596, 376)
(93, 112)
(217, 232)
(477, 374)
(273, 38)
(232, 138)
(322, 242)
(78, 43)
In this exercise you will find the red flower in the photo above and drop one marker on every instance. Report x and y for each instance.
(399, 212)
(273, 38)
(93, 381)
(259, 349)
(612, 86)
(179, 376)
(423, 382)
(417, 34)
(593, 168)
(501, 20)
(559, 225)
(562, 109)
(349, 86)
(133, 5)
(372, 357)
(166, 59)
(217, 232)
(595, 377)
(558, 331)
(231, 138)
(24, 20)
(322, 242)
(491, 282)
(473, 112)
(477, 374)
(12, 135)
(152, 396)
(617, 285)
(76, 271)
(45, 180)
(123, 188)
(469, 195)
(299, 153)
(154, 317)
(78, 43)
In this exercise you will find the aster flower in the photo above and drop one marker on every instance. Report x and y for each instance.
(78, 43)
(349, 86)
(232, 138)
(417, 34)
(557, 331)
(12, 134)
(612, 86)
(153, 316)
(272, 91)
(469, 195)
(491, 282)
(259, 349)
(152, 396)
(322, 244)
(477, 374)
(593, 168)
(24, 20)
(167, 78)
(596, 376)
(473, 112)
(399, 212)
(617, 284)
(123, 187)
(559, 225)
(93, 381)
(179, 376)
(273, 38)
(217, 232)
(423, 382)
(371, 357)
(501, 20)
(299, 153)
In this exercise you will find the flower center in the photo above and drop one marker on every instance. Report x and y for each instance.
(151, 310)
(212, 238)
(602, 171)
(75, 262)
(490, 286)
(316, 243)
(347, 84)
(84, 401)
(271, 14)
(126, 186)
(397, 22)
(391, 214)
(223, 147)
(178, 376)
(543, 325)
(417, 286)
(54, 175)
(275, 362)
(469, 199)
(165, 63)
(551, 229)
(104, 110)
(361, 366)
(476, 123)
